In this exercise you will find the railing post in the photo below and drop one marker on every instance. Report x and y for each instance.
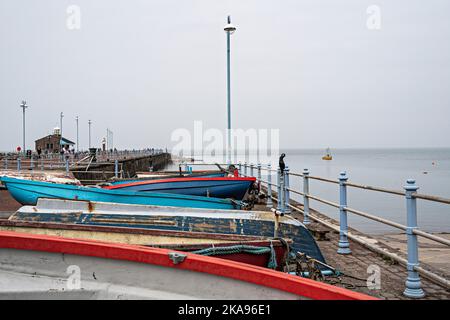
(42, 164)
(344, 245)
(269, 203)
(305, 197)
(6, 163)
(18, 164)
(413, 284)
(116, 168)
(245, 168)
(282, 194)
(258, 170)
(251, 170)
(31, 163)
(278, 189)
(286, 191)
(240, 168)
(67, 167)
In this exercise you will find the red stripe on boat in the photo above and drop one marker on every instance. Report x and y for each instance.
(137, 183)
(156, 256)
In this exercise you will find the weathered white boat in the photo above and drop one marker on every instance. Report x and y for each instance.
(255, 250)
(46, 267)
(237, 222)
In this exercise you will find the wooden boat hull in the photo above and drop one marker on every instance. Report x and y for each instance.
(44, 267)
(28, 192)
(232, 222)
(181, 241)
(218, 187)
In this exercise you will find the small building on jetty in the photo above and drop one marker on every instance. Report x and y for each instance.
(53, 143)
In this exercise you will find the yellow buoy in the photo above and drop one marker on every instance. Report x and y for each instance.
(328, 155)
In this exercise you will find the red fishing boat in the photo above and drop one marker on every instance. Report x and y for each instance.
(43, 267)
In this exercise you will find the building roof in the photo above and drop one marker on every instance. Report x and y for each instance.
(63, 140)
(66, 141)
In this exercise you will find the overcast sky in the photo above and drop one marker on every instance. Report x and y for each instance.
(311, 68)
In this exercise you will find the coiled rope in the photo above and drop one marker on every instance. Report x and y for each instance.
(214, 251)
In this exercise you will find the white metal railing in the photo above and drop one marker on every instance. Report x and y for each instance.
(413, 285)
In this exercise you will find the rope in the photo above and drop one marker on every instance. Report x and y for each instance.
(212, 251)
(273, 259)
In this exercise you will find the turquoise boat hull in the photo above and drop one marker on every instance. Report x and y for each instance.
(27, 192)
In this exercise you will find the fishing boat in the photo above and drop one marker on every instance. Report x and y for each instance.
(232, 222)
(219, 187)
(255, 250)
(47, 267)
(27, 192)
(327, 156)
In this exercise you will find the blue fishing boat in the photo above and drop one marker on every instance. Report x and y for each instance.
(27, 192)
(219, 187)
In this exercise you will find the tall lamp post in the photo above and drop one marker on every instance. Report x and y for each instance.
(229, 29)
(23, 105)
(89, 122)
(76, 119)
(61, 116)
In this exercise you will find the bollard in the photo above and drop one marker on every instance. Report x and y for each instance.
(18, 164)
(344, 245)
(245, 169)
(413, 284)
(286, 191)
(305, 197)
(251, 170)
(116, 168)
(67, 167)
(269, 203)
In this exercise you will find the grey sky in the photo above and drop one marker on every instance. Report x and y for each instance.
(311, 68)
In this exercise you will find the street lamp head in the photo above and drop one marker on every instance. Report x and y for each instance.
(23, 104)
(229, 27)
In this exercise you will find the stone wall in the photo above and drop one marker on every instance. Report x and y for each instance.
(98, 172)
